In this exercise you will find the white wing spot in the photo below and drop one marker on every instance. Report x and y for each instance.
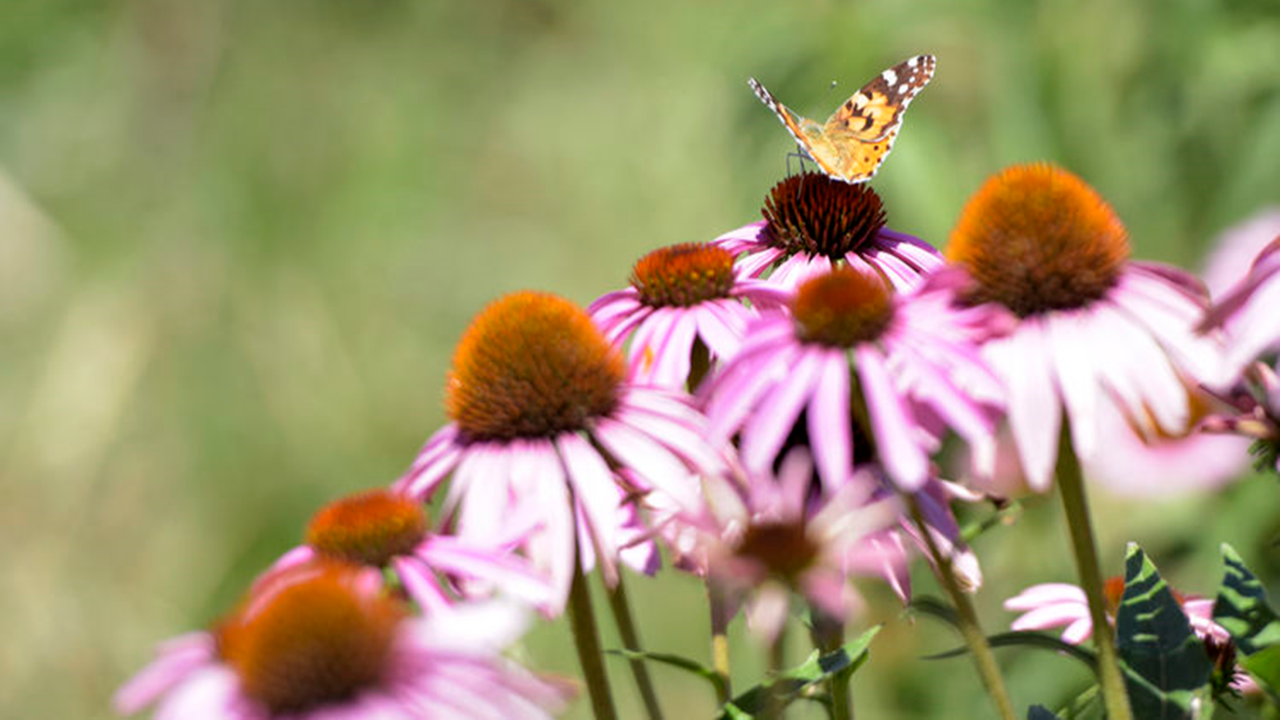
(860, 100)
(902, 89)
(889, 76)
(912, 62)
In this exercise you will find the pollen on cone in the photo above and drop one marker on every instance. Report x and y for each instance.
(531, 365)
(684, 274)
(1037, 238)
(313, 638)
(843, 307)
(368, 528)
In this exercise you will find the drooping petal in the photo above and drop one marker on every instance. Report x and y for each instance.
(894, 430)
(1034, 412)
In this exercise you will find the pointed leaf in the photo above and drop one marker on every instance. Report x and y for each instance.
(1164, 662)
(1241, 608)
(787, 686)
(1040, 712)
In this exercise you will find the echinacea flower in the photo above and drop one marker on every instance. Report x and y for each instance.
(765, 538)
(384, 529)
(546, 427)
(813, 223)
(681, 296)
(324, 640)
(904, 365)
(1094, 327)
(1054, 605)
(1247, 313)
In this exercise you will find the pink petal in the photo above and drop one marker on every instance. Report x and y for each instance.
(830, 434)
(421, 585)
(1049, 616)
(894, 430)
(510, 573)
(1045, 593)
(653, 463)
(594, 488)
(1074, 349)
(176, 660)
(1034, 413)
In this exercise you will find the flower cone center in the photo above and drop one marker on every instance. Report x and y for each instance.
(316, 640)
(369, 528)
(531, 365)
(683, 275)
(783, 548)
(842, 308)
(1037, 238)
(813, 214)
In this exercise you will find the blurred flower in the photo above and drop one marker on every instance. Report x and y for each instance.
(768, 537)
(813, 222)
(1236, 248)
(385, 529)
(1255, 414)
(681, 296)
(1052, 605)
(904, 365)
(1247, 313)
(1094, 329)
(323, 640)
(546, 429)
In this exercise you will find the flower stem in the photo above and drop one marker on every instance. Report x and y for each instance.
(621, 608)
(828, 635)
(586, 639)
(1076, 506)
(967, 617)
(719, 639)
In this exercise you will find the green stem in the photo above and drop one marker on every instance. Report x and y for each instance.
(970, 629)
(1076, 506)
(719, 639)
(586, 638)
(621, 608)
(827, 633)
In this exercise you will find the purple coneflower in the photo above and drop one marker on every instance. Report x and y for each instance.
(904, 366)
(546, 427)
(324, 640)
(387, 530)
(813, 222)
(770, 537)
(1094, 327)
(1247, 313)
(682, 297)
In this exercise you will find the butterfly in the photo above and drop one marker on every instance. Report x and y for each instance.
(856, 139)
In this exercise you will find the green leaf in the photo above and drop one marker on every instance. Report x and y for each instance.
(1164, 662)
(675, 661)
(1028, 639)
(1241, 608)
(1040, 712)
(784, 688)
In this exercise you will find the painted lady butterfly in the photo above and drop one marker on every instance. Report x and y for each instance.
(857, 137)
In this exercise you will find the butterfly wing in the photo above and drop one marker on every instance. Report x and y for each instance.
(807, 133)
(875, 111)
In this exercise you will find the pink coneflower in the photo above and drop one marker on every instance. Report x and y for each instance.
(682, 297)
(854, 360)
(324, 640)
(1247, 313)
(813, 222)
(545, 426)
(1054, 605)
(387, 530)
(1094, 328)
(768, 538)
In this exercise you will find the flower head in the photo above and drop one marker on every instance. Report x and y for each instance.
(323, 640)
(545, 427)
(385, 529)
(681, 296)
(768, 537)
(814, 222)
(1093, 327)
(854, 361)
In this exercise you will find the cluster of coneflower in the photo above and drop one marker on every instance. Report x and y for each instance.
(776, 409)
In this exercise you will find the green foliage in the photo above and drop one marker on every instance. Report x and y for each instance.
(783, 689)
(1241, 608)
(1164, 662)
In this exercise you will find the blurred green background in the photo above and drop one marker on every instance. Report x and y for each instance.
(239, 239)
